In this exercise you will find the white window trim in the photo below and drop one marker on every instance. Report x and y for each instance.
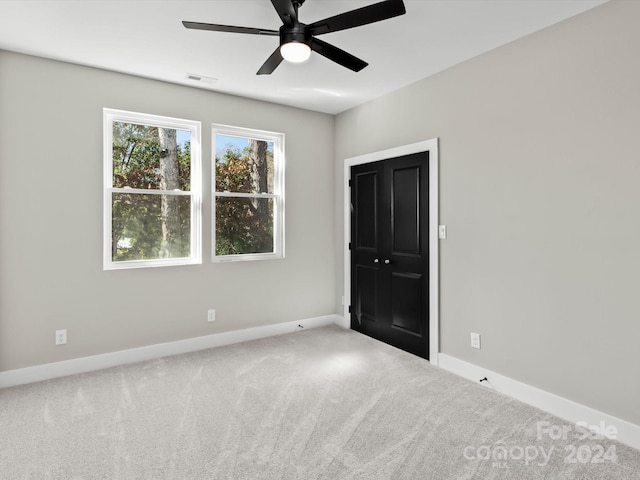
(278, 187)
(194, 127)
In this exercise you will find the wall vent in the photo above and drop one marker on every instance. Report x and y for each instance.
(201, 78)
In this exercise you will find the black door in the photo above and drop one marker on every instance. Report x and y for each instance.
(390, 251)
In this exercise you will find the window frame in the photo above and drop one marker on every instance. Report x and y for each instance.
(195, 193)
(277, 139)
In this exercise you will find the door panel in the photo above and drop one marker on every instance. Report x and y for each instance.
(407, 302)
(390, 251)
(366, 294)
(405, 210)
(367, 216)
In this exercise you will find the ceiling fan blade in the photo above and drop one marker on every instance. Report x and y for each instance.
(271, 64)
(229, 28)
(361, 16)
(286, 10)
(337, 55)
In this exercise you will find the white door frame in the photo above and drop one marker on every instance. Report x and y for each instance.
(432, 147)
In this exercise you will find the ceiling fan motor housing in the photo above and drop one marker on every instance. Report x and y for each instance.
(297, 33)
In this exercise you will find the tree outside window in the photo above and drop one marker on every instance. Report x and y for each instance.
(151, 199)
(247, 197)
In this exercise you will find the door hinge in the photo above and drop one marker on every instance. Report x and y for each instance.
(350, 182)
(349, 308)
(349, 245)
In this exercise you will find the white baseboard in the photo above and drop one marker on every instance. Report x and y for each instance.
(344, 322)
(627, 432)
(48, 371)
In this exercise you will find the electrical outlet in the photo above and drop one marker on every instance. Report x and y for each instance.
(475, 340)
(61, 337)
(211, 316)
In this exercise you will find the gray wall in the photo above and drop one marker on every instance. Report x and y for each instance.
(540, 190)
(51, 273)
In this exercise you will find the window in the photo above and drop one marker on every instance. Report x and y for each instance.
(152, 199)
(248, 194)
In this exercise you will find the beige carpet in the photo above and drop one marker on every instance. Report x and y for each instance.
(319, 404)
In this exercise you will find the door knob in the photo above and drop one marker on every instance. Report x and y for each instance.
(387, 261)
(376, 260)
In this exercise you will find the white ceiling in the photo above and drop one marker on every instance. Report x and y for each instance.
(146, 38)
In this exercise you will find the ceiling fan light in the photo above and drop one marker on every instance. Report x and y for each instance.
(295, 52)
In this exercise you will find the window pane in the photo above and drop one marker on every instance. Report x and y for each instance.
(147, 227)
(151, 157)
(244, 225)
(243, 165)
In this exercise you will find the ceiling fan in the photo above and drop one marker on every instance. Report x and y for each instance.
(297, 39)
